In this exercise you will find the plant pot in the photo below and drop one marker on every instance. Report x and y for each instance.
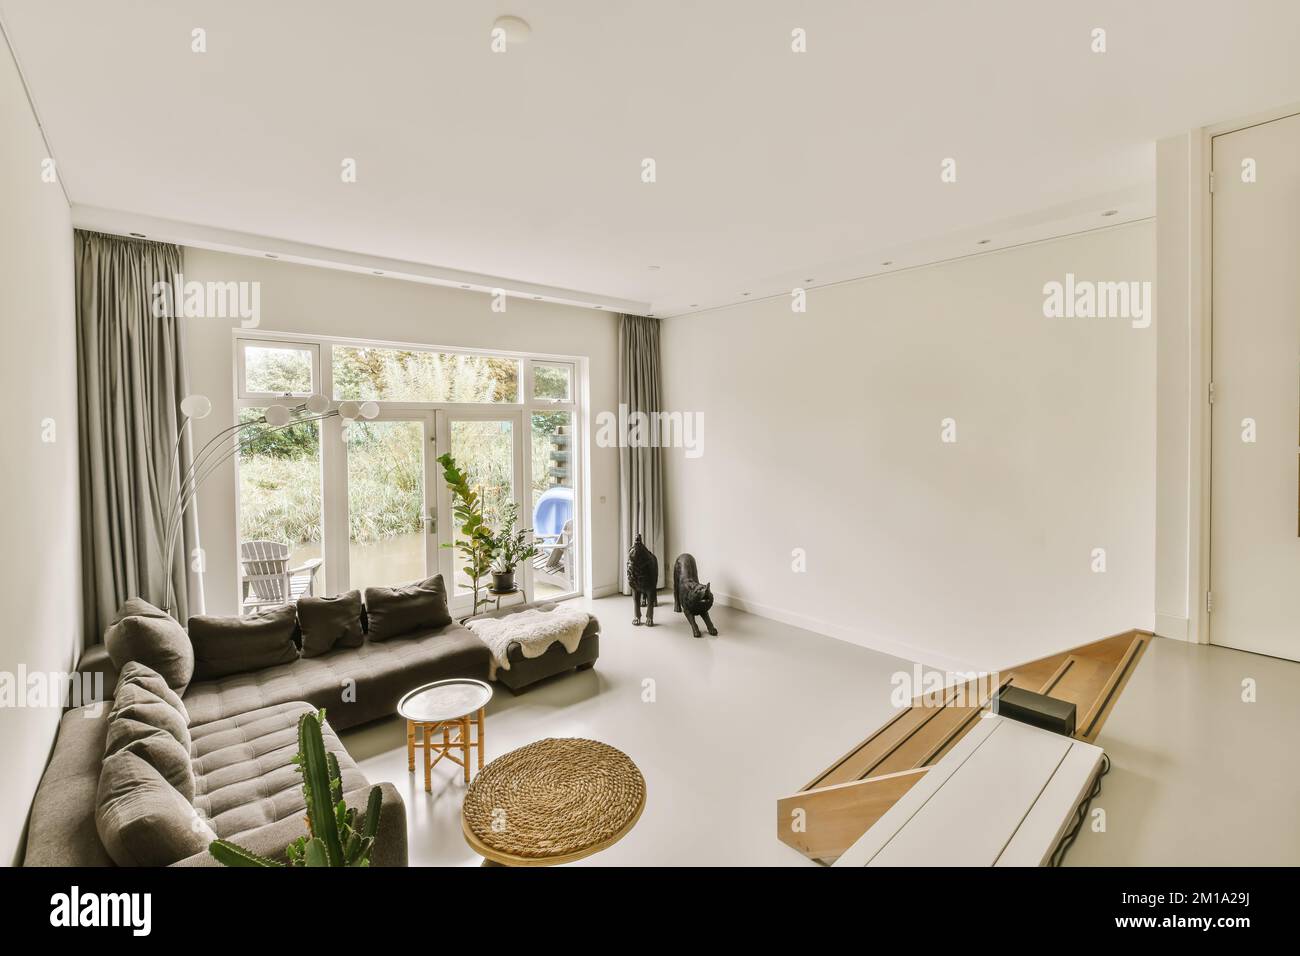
(503, 580)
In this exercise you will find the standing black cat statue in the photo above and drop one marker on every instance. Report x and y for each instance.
(690, 596)
(643, 579)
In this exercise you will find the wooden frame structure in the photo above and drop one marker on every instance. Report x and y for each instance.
(828, 814)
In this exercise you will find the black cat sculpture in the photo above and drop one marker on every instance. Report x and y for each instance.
(690, 596)
(643, 579)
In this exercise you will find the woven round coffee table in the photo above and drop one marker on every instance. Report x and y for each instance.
(553, 801)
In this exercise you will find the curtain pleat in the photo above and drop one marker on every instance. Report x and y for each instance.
(640, 469)
(131, 379)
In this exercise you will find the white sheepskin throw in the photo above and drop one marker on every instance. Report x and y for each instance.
(534, 630)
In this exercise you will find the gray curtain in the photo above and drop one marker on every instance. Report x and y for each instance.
(130, 380)
(640, 470)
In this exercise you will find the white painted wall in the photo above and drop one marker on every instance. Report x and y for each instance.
(822, 432)
(40, 577)
(1180, 183)
(304, 299)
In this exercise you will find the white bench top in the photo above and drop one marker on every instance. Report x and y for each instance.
(1003, 796)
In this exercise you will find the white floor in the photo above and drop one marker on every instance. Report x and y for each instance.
(744, 718)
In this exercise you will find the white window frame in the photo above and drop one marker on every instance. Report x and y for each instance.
(532, 384)
(243, 341)
(334, 516)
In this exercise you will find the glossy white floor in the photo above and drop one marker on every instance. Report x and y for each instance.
(744, 718)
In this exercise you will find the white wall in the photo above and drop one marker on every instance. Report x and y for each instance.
(40, 578)
(822, 432)
(1180, 181)
(304, 299)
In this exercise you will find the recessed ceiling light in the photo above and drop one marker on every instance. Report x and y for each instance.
(888, 262)
(807, 280)
(464, 287)
(983, 242)
(137, 235)
(270, 255)
(538, 297)
(378, 272)
(1110, 212)
(744, 293)
(655, 268)
(516, 30)
(694, 305)
(600, 307)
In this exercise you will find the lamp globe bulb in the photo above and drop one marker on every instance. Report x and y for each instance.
(318, 404)
(369, 410)
(276, 415)
(350, 411)
(196, 406)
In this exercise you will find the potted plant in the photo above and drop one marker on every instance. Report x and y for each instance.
(477, 545)
(509, 547)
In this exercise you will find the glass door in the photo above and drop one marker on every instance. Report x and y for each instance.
(488, 447)
(391, 473)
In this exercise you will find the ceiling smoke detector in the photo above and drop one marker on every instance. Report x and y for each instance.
(516, 30)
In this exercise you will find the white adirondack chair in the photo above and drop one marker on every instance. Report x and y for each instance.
(554, 562)
(268, 581)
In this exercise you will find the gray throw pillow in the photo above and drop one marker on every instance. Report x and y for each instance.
(141, 632)
(237, 645)
(138, 703)
(139, 675)
(142, 819)
(392, 612)
(154, 746)
(329, 622)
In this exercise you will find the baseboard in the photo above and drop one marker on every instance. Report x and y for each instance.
(894, 648)
(604, 590)
(1173, 627)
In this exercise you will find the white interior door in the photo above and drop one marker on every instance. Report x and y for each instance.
(1255, 491)
(390, 473)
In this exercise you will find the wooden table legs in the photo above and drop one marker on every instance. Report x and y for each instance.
(457, 735)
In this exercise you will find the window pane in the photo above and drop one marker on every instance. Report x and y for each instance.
(552, 503)
(279, 488)
(400, 375)
(485, 452)
(386, 544)
(277, 369)
(553, 382)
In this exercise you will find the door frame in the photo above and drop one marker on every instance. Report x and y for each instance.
(336, 519)
(1201, 358)
(461, 605)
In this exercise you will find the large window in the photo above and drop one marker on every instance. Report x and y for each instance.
(400, 375)
(276, 368)
(362, 499)
(280, 486)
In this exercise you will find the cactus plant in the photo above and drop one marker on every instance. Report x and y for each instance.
(332, 836)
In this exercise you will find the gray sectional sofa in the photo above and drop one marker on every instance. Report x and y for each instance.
(242, 736)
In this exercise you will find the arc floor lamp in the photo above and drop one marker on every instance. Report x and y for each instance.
(222, 447)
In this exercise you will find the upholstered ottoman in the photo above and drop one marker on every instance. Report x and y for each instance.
(526, 671)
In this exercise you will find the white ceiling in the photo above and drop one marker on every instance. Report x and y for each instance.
(773, 167)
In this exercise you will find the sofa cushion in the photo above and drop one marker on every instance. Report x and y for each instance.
(137, 703)
(237, 645)
(61, 829)
(154, 746)
(140, 675)
(330, 622)
(394, 612)
(142, 632)
(245, 776)
(142, 819)
(354, 685)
